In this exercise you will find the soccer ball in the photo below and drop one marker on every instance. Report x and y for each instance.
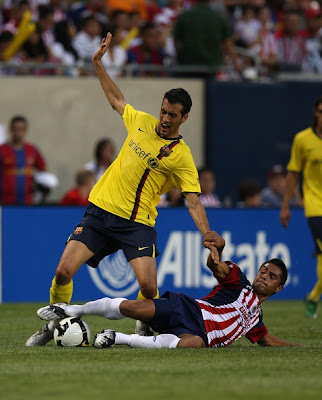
(72, 332)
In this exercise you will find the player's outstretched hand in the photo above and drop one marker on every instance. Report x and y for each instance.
(105, 44)
(215, 243)
(214, 239)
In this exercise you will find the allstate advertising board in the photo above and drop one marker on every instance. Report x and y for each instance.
(33, 240)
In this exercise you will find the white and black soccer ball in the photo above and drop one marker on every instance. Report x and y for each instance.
(72, 332)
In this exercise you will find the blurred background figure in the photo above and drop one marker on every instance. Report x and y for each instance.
(313, 36)
(103, 158)
(62, 49)
(173, 198)
(18, 162)
(78, 195)
(290, 43)
(207, 179)
(149, 51)
(88, 39)
(203, 37)
(249, 194)
(79, 10)
(272, 194)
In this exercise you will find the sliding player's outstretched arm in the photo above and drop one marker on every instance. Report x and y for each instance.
(112, 92)
(270, 340)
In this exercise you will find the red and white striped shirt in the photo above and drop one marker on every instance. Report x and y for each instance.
(232, 310)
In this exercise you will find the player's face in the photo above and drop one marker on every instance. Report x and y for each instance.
(170, 119)
(267, 280)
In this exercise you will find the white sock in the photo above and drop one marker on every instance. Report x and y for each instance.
(106, 307)
(164, 341)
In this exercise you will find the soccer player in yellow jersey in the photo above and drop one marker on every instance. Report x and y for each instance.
(122, 209)
(306, 157)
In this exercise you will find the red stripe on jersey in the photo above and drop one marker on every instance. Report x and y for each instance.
(138, 194)
(171, 145)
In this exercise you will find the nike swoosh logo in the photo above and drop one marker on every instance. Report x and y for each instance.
(141, 130)
(142, 248)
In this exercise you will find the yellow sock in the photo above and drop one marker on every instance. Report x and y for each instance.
(61, 293)
(141, 297)
(317, 290)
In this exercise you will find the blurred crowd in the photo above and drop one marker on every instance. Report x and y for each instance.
(26, 181)
(231, 39)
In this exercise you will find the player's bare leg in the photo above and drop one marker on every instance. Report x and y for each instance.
(145, 270)
(74, 255)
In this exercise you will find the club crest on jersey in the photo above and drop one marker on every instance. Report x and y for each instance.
(253, 310)
(165, 151)
(153, 162)
(78, 230)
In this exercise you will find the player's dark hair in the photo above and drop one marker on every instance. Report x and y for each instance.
(281, 265)
(316, 105)
(18, 118)
(179, 96)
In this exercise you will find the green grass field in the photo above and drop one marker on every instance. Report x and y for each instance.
(240, 371)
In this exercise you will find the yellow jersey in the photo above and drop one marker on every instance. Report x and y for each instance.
(306, 156)
(146, 167)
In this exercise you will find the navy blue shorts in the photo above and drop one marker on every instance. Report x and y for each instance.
(178, 314)
(105, 233)
(315, 224)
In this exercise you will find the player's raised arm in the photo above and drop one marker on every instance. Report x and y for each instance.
(270, 340)
(112, 92)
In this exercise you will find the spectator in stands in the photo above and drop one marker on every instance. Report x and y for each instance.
(121, 19)
(272, 194)
(103, 158)
(313, 36)
(268, 47)
(148, 52)
(18, 162)
(202, 37)
(290, 44)
(17, 12)
(63, 49)
(249, 194)
(88, 38)
(82, 9)
(247, 30)
(165, 20)
(78, 196)
(128, 7)
(34, 49)
(173, 198)
(207, 179)
(131, 35)
(46, 24)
